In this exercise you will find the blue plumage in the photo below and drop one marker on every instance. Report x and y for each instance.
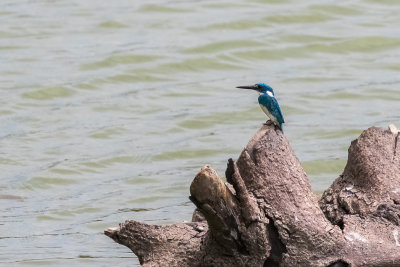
(268, 102)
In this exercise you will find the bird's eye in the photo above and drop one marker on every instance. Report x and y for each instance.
(258, 86)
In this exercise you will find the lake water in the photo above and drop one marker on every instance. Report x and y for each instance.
(108, 109)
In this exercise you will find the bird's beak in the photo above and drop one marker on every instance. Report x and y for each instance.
(253, 87)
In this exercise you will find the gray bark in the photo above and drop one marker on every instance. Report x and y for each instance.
(267, 215)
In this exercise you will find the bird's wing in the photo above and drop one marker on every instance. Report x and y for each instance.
(272, 105)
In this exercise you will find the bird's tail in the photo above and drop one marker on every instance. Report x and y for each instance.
(281, 126)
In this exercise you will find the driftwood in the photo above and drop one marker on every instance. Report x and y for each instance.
(267, 215)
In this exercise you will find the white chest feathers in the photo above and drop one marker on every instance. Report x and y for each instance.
(272, 117)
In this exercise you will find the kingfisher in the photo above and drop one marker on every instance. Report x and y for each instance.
(268, 102)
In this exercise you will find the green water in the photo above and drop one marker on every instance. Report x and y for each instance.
(109, 108)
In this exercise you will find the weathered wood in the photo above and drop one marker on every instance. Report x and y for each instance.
(267, 215)
(171, 245)
(370, 178)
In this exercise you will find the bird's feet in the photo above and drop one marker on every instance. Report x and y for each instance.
(268, 122)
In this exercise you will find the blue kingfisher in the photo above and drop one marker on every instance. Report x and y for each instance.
(268, 102)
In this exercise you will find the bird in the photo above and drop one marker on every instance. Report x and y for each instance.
(268, 102)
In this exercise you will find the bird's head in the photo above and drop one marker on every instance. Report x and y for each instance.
(260, 87)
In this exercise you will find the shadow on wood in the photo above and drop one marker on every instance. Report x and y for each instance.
(267, 215)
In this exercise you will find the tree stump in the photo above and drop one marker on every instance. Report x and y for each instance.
(267, 215)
